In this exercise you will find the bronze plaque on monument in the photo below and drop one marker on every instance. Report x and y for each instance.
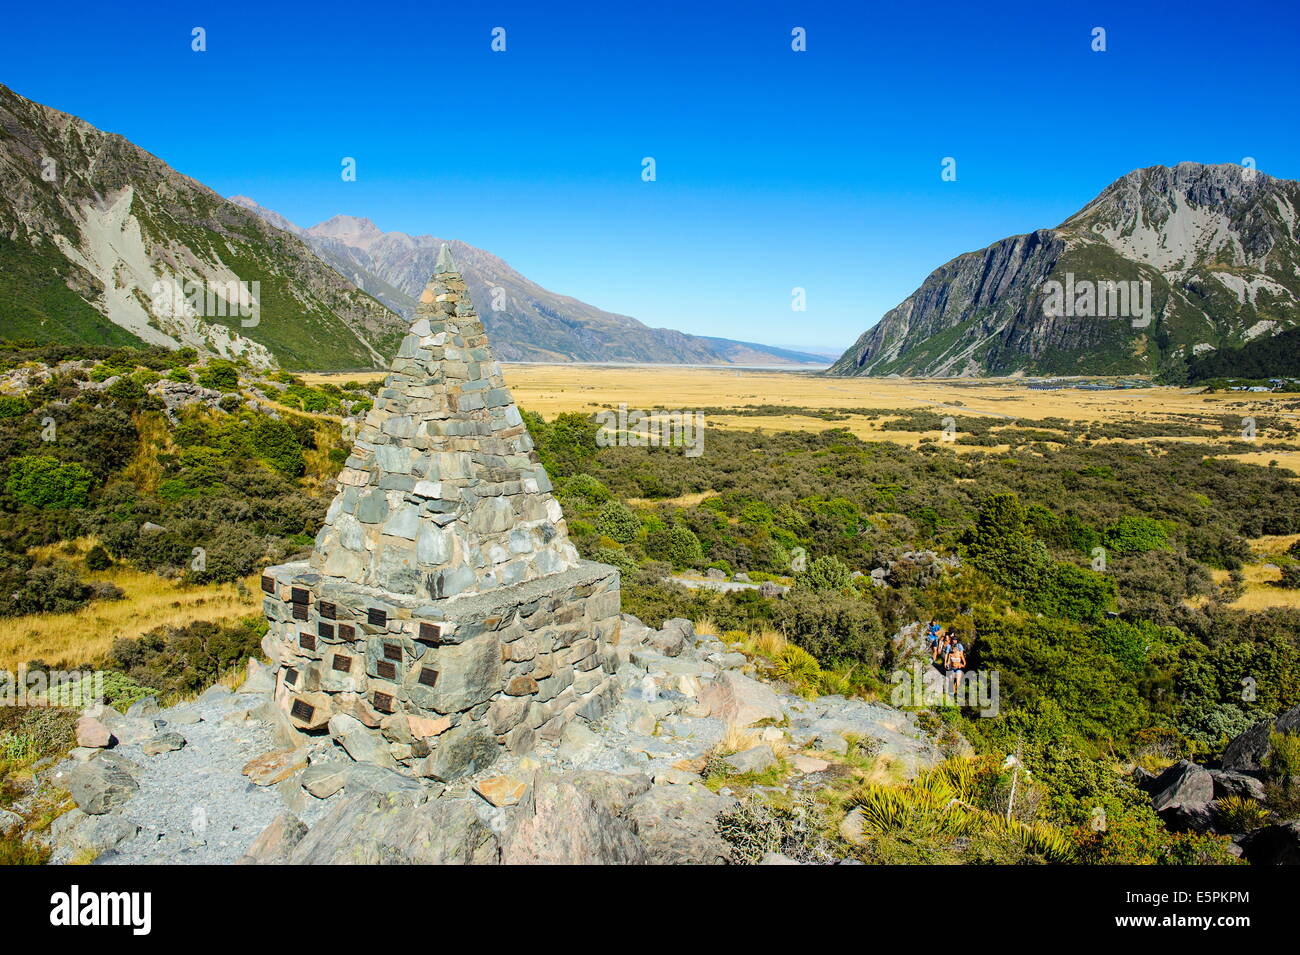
(306, 640)
(342, 664)
(393, 651)
(268, 585)
(326, 609)
(428, 676)
(325, 630)
(302, 711)
(386, 670)
(300, 595)
(377, 618)
(384, 702)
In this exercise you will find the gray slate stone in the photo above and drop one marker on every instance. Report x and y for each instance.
(99, 786)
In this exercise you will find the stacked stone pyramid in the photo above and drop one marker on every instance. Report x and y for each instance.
(443, 616)
(443, 493)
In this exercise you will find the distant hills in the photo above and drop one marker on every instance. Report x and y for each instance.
(1218, 245)
(526, 321)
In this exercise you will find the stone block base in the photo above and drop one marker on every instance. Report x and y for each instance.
(447, 683)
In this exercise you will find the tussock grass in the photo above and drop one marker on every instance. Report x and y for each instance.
(70, 639)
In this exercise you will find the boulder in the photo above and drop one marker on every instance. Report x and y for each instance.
(756, 759)
(1182, 785)
(679, 825)
(130, 729)
(1274, 845)
(276, 841)
(809, 764)
(363, 777)
(740, 701)
(91, 733)
(324, 780)
(146, 708)
(576, 743)
(501, 790)
(853, 826)
(1229, 782)
(162, 743)
(1249, 750)
(100, 786)
(359, 742)
(99, 834)
(392, 829)
(270, 768)
(9, 822)
(560, 823)
(668, 642)
(461, 751)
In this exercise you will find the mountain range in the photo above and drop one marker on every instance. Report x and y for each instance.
(1207, 256)
(526, 321)
(101, 241)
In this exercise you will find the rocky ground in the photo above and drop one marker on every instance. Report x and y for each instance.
(224, 779)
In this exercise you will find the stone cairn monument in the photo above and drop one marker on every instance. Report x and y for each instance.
(443, 605)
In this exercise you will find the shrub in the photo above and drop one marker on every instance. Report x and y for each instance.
(276, 444)
(188, 658)
(831, 627)
(617, 522)
(1136, 534)
(219, 374)
(827, 574)
(97, 558)
(45, 482)
(676, 545)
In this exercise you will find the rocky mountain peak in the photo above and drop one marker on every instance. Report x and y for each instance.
(1211, 249)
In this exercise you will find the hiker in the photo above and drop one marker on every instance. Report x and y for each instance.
(931, 636)
(954, 662)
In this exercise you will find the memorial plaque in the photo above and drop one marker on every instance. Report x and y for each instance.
(377, 618)
(342, 664)
(300, 595)
(386, 670)
(268, 585)
(384, 702)
(291, 676)
(347, 631)
(326, 609)
(306, 640)
(433, 632)
(393, 651)
(302, 711)
(428, 676)
(325, 630)
(299, 611)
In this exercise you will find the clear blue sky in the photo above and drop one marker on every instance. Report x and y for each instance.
(775, 169)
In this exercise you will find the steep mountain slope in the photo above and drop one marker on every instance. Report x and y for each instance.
(97, 236)
(1217, 243)
(526, 321)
